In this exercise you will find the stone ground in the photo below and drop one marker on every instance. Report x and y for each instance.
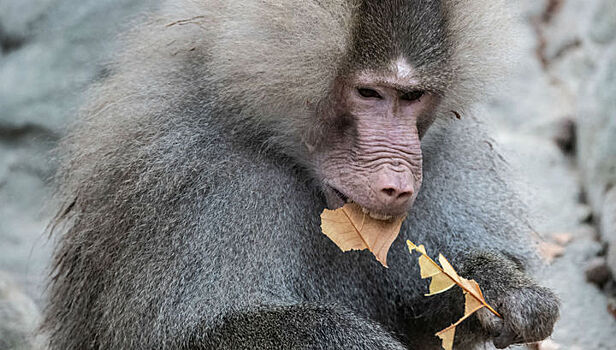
(51, 50)
(534, 110)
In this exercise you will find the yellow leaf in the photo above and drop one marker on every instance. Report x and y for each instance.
(440, 283)
(445, 272)
(448, 269)
(427, 270)
(550, 251)
(471, 304)
(351, 229)
(447, 336)
(562, 238)
(547, 344)
(471, 287)
(444, 277)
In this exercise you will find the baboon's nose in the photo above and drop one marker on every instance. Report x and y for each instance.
(394, 189)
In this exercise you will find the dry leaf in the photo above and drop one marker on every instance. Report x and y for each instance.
(447, 335)
(611, 307)
(562, 238)
(429, 268)
(444, 277)
(550, 251)
(547, 344)
(352, 229)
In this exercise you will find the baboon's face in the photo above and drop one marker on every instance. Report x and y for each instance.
(370, 151)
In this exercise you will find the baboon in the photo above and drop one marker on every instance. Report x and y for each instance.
(193, 182)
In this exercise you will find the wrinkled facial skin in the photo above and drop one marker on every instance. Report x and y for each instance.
(369, 151)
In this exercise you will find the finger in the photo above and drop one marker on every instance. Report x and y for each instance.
(506, 338)
(492, 324)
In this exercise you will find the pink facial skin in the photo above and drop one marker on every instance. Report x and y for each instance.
(371, 152)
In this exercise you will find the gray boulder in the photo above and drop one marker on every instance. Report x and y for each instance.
(19, 317)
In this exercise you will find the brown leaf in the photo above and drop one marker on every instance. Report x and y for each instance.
(352, 229)
(444, 277)
(547, 344)
(611, 307)
(562, 238)
(447, 335)
(446, 273)
(550, 251)
(471, 304)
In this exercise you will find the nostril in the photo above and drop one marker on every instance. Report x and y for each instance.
(393, 188)
(390, 192)
(405, 195)
(393, 193)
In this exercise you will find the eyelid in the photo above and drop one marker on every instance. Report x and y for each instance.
(368, 93)
(414, 95)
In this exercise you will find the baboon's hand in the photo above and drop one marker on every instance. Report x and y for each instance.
(529, 314)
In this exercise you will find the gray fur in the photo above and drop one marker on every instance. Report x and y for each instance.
(191, 220)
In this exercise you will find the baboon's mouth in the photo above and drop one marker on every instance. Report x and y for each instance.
(377, 216)
(340, 199)
(343, 197)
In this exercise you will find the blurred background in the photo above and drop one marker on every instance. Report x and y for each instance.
(554, 122)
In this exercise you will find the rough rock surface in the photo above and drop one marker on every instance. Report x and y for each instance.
(19, 317)
(560, 57)
(581, 49)
(50, 50)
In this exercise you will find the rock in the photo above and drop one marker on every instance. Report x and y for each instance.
(565, 31)
(50, 51)
(596, 120)
(24, 250)
(587, 232)
(17, 19)
(608, 227)
(604, 23)
(20, 317)
(610, 291)
(529, 119)
(585, 214)
(582, 303)
(565, 135)
(597, 131)
(611, 307)
(597, 271)
(67, 42)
